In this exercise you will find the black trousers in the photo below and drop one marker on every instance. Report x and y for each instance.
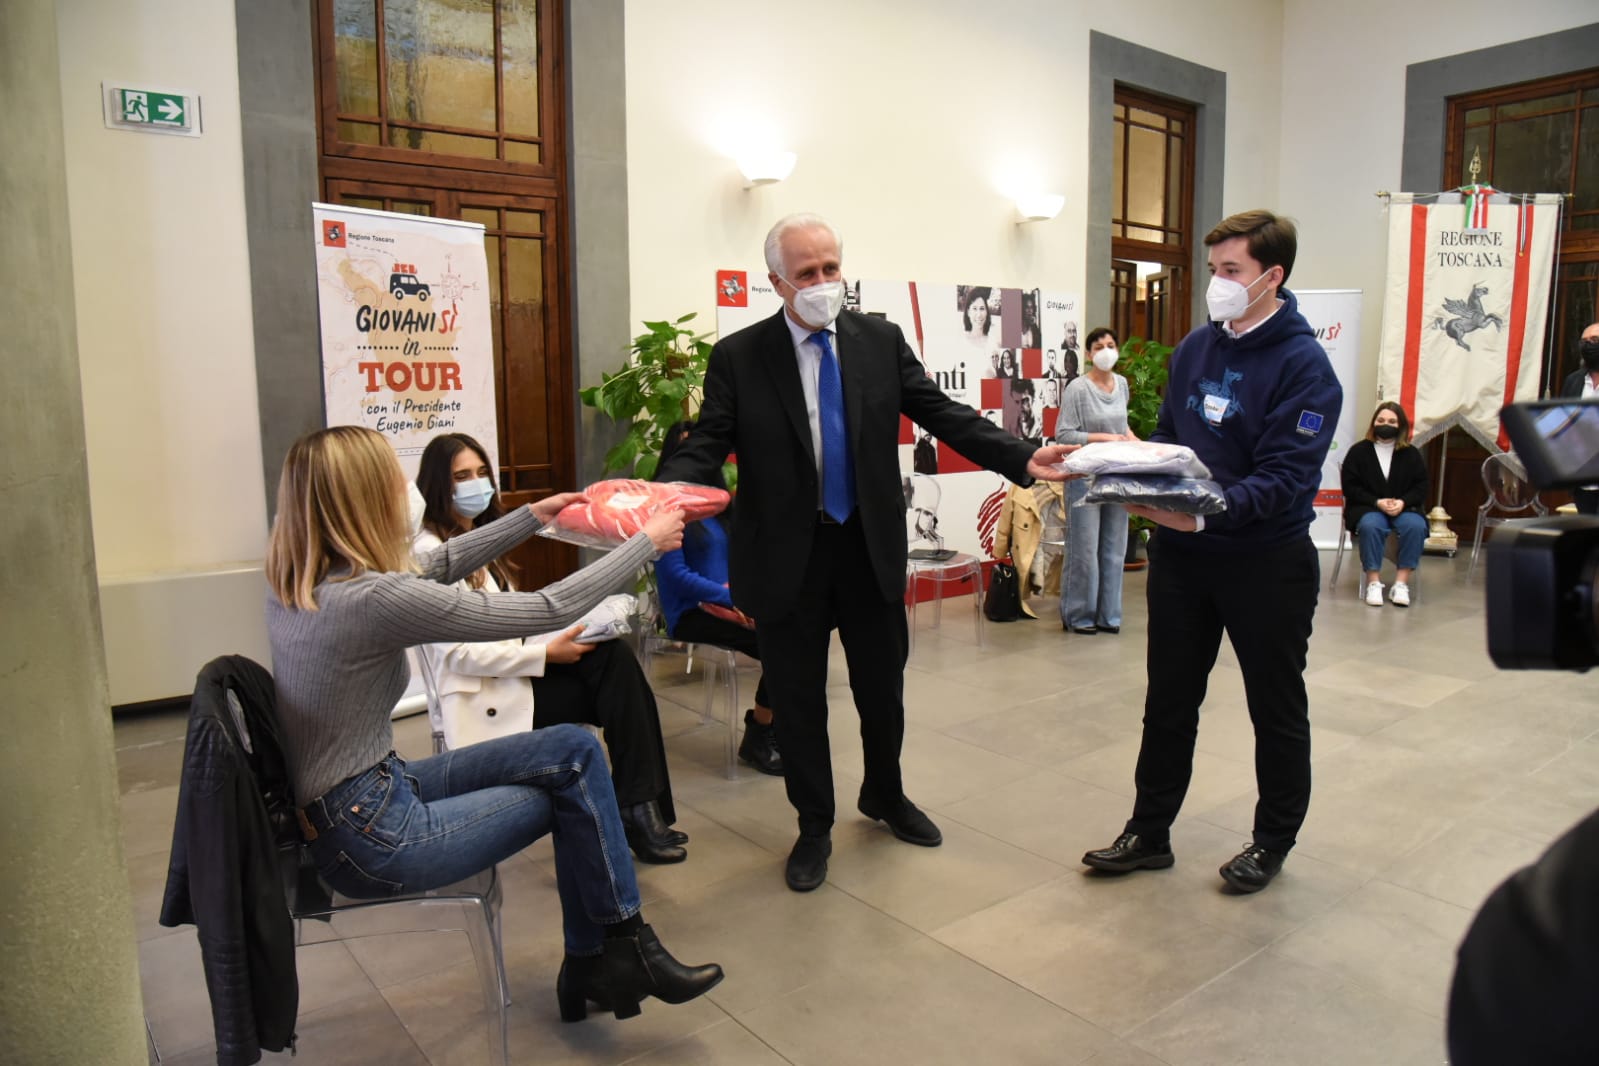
(697, 627)
(1264, 601)
(607, 687)
(839, 590)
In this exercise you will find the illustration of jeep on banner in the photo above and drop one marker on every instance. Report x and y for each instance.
(403, 283)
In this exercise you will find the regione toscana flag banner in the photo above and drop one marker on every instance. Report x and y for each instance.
(1464, 310)
(407, 341)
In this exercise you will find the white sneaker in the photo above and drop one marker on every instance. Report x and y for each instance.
(1400, 594)
(1374, 594)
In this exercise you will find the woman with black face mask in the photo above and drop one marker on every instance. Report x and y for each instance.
(1385, 491)
(1583, 384)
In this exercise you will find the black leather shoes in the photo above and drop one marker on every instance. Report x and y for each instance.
(1086, 631)
(807, 863)
(1108, 629)
(581, 982)
(638, 966)
(648, 835)
(759, 746)
(1131, 852)
(1253, 868)
(905, 820)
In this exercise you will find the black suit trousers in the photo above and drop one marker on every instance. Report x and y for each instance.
(840, 589)
(1264, 601)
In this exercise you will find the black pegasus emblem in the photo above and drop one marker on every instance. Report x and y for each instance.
(1468, 316)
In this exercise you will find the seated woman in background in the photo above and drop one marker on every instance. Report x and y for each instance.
(346, 600)
(513, 685)
(697, 574)
(1385, 491)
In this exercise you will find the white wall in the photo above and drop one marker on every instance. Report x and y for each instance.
(161, 281)
(1343, 122)
(163, 293)
(907, 117)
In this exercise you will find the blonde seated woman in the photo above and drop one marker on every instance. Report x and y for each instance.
(346, 600)
(489, 689)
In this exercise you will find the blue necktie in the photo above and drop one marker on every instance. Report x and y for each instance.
(838, 473)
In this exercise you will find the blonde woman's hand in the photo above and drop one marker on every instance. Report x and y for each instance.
(565, 648)
(665, 530)
(547, 508)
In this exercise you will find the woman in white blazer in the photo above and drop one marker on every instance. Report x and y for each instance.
(494, 689)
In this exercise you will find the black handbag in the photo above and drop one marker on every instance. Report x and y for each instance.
(1003, 603)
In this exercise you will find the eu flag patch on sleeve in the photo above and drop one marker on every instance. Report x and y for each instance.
(1309, 423)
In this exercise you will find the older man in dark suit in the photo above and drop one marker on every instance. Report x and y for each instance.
(1583, 384)
(810, 399)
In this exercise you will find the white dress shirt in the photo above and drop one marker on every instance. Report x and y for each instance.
(808, 354)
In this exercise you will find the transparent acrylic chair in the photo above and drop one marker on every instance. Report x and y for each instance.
(718, 665)
(1509, 491)
(471, 906)
(1390, 551)
(929, 560)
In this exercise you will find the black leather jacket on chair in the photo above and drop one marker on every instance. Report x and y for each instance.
(233, 812)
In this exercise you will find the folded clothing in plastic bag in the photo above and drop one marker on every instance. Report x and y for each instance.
(1135, 457)
(617, 509)
(1189, 495)
(607, 620)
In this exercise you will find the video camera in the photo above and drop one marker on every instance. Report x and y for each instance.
(1543, 573)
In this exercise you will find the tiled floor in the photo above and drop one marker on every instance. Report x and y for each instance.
(1436, 776)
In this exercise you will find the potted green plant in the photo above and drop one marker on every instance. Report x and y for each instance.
(662, 383)
(1144, 364)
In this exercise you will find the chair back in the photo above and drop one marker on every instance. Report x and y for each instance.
(922, 496)
(1507, 484)
(423, 666)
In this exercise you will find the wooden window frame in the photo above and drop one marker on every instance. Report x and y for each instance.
(551, 77)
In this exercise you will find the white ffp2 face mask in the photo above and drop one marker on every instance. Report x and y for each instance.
(1105, 359)
(1227, 299)
(818, 305)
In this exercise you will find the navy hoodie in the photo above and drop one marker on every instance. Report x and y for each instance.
(1259, 410)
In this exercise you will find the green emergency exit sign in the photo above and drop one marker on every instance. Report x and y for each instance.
(148, 110)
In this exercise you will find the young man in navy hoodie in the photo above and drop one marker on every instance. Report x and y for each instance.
(1255, 396)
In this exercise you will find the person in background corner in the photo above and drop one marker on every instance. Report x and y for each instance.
(1385, 491)
(696, 574)
(491, 689)
(1093, 409)
(1583, 384)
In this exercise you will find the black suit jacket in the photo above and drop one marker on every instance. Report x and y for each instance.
(1364, 484)
(1572, 388)
(754, 405)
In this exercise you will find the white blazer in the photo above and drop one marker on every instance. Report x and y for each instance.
(483, 688)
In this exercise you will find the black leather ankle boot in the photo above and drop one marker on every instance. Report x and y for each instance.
(648, 835)
(638, 966)
(581, 982)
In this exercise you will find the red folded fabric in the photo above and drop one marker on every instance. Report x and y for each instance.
(618, 508)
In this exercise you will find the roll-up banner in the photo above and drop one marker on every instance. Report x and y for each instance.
(1335, 316)
(407, 339)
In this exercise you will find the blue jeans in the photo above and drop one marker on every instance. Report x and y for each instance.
(410, 826)
(1096, 551)
(1372, 532)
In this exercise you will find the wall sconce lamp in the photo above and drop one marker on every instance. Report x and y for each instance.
(765, 168)
(1040, 207)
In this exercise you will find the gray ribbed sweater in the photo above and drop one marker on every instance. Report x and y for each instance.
(1085, 408)
(341, 668)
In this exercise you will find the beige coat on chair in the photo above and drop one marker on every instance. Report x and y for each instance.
(1020, 533)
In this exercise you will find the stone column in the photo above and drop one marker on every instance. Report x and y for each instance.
(69, 972)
